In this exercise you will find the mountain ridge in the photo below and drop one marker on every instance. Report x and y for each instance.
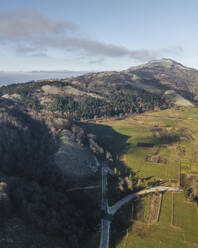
(156, 84)
(170, 72)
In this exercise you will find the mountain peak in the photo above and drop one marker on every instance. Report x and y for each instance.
(164, 63)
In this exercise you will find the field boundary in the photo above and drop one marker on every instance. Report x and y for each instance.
(172, 214)
(160, 207)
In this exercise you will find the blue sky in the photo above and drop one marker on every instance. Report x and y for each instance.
(96, 35)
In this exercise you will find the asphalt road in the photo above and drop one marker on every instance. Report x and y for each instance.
(105, 233)
(113, 209)
(105, 224)
(104, 198)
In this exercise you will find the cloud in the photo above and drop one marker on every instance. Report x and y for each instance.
(33, 33)
(25, 24)
(96, 48)
(23, 49)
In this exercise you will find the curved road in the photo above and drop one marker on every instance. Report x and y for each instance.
(113, 209)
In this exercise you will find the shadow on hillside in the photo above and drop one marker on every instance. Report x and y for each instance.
(26, 143)
(36, 186)
(162, 140)
(112, 141)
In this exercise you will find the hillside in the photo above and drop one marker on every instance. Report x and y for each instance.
(34, 180)
(169, 73)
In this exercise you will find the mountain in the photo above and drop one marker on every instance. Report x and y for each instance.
(169, 73)
(157, 84)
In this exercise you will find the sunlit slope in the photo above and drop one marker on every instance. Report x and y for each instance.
(157, 145)
(173, 139)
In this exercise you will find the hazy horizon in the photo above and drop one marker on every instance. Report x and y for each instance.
(13, 77)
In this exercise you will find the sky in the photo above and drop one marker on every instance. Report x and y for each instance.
(96, 35)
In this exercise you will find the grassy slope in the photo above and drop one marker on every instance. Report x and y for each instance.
(183, 122)
(121, 136)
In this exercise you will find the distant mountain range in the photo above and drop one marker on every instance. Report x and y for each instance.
(9, 77)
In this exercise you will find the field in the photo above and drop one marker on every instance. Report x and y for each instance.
(172, 135)
(161, 145)
(182, 233)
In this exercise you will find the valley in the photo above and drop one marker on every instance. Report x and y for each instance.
(98, 124)
(101, 159)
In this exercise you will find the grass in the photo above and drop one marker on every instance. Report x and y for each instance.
(174, 134)
(170, 130)
(186, 218)
(183, 234)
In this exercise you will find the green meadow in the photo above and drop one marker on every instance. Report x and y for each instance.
(172, 153)
(173, 134)
(182, 233)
